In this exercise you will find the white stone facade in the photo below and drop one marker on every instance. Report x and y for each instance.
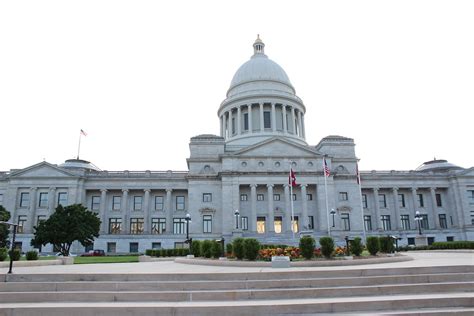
(246, 168)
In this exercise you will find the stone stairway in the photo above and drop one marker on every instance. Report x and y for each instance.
(404, 291)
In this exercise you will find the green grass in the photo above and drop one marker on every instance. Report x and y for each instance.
(105, 259)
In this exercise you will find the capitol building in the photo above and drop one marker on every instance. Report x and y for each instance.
(237, 184)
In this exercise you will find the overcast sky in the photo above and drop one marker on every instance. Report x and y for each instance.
(143, 77)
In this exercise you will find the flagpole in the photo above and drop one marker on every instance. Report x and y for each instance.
(326, 192)
(79, 146)
(292, 210)
(361, 205)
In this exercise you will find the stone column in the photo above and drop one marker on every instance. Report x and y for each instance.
(169, 212)
(253, 211)
(261, 118)
(293, 121)
(221, 120)
(304, 202)
(396, 222)
(271, 215)
(299, 124)
(33, 193)
(434, 209)
(125, 212)
(303, 132)
(146, 212)
(287, 218)
(249, 111)
(230, 124)
(239, 123)
(102, 208)
(273, 123)
(457, 203)
(52, 200)
(283, 113)
(378, 220)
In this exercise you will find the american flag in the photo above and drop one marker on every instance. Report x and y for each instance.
(83, 133)
(357, 173)
(327, 172)
(292, 178)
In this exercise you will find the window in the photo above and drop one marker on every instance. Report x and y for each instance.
(276, 197)
(245, 223)
(39, 219)
(310, 222)
(438, 200)
(25, 199)
(180, 203)
(449, 238)
(156, 245)
(368, 222)
(420, 200)
(137, 203)
(278, 223)
(260, 197)
(115, 225)
(111, 247)
(261, 225)
(243, 197)
(159, 202)
(179, 226)
(411, 241)
(386, 222)
(62, 198)
(424, 221)
(364, 200)
(343, 196)
(470, 196)
(21, 224)
(405, 222)
(133, 247)
(158, 226)
(246, 121)
(95, 203)
(43, 199)
(346, 224)
(443, 223)
(179, 245)
(382, 200)
(116, 201)
(207, 224)
(401, 199)
(295, 224)
(309, 197)
(294, 197)
(136, 226)
(207, 197)
(266, 120)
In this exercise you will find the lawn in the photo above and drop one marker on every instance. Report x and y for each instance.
(105, 259)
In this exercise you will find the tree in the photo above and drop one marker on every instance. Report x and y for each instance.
(66, 225)
(4, 229)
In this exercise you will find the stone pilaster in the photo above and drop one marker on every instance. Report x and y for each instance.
(146, 212)
(287, 218)
(253, 211)
(249, 111)
(378, 219)
(271, 215)
(283, 111)
(31, 218)
(102, 211)
(304, 202)
(52, 200)
(125, 212)
(293, 120)
(273, 118)
(396, 221)
(262, 128)
(169, 212)
(239, 122)
(434, 208)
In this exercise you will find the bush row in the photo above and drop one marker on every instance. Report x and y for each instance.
(441, 245)
(179, 252)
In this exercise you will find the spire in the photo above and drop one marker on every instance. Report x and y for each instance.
(258, 46)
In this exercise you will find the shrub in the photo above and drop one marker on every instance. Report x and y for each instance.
(216, 249)
(170, 252)
(206, 247)
(228, 249)
(307, 244)
(238, 246)
(453, 245)
(3, 253)
(15, 255)
(149, 252)
(386, 244)
(251, 248)
(355, 246)
(196, 248)
(373, 245)
(32, 255)
(327, 246)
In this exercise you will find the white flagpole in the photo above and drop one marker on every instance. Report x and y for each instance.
(291, 201)
(361, 205)
(79, 147)
(326, 191)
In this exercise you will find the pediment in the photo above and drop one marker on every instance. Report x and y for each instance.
(41, 170)
(277, 147)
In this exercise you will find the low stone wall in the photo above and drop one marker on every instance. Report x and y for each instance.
(31, 263)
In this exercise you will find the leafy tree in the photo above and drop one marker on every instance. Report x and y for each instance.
(4, 216)
(66, 225)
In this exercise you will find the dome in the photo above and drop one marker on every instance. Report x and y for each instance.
(79, 164)
(260, 73)
(437, 165)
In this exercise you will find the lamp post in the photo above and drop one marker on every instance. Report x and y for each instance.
(236, 214)
(13, 243)
(418, 219)
(333, 213)
(188, 219)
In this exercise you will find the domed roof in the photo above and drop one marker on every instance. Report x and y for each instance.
(79, 164)
(260, 73)
(437, 165)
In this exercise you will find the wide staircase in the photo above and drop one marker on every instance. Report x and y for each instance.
(394, 291)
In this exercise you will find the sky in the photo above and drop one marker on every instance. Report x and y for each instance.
(143, 77)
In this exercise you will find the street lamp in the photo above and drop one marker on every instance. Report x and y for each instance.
(418, 219)
(188, 219)
(13, 242)
(333, 213)
(236, 213)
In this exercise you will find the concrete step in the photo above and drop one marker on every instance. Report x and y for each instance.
(253, 307)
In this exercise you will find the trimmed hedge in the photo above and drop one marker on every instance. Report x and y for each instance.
(386, 244)
(196, 248)
(251, 248)
(307, 245)
(327, 246)
(355, 246)
(228, 249)
(238, 246)
(452, 245)
(216, 249)
(206, 246)
(32, 255)
(373, 245)
(3, 253)
(15, 254)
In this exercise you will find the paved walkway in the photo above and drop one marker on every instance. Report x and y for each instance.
(421, 259)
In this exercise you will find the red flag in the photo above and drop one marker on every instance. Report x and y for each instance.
(292, 178)
(83, 133)
(357, 173)
(327, 172)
